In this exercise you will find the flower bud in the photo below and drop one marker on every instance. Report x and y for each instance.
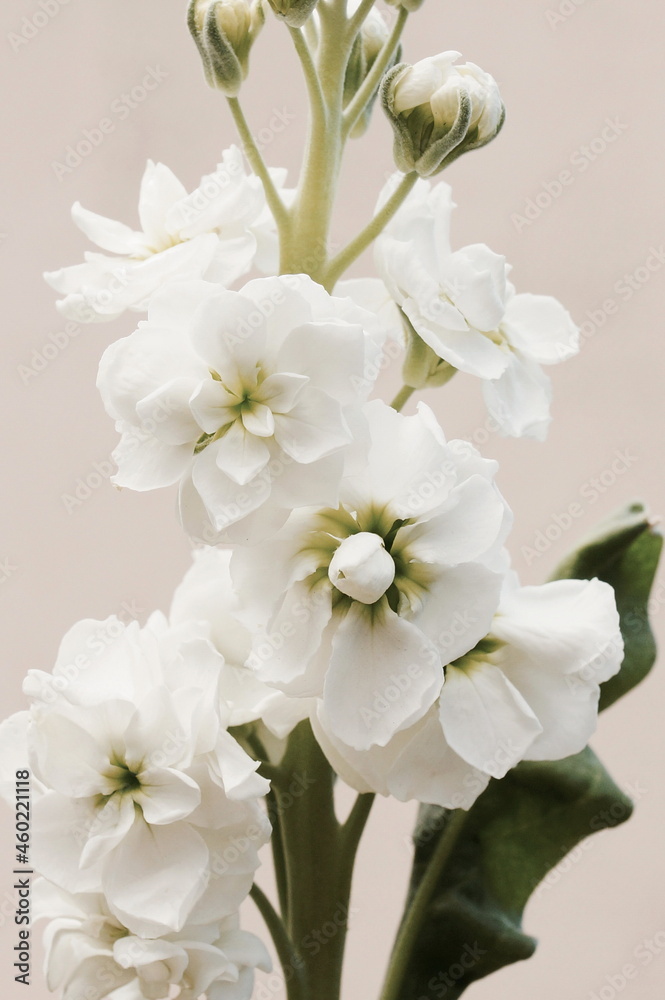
(368, 44)
(224, 32)
(294, 12)
(439, 111)
(361, 568)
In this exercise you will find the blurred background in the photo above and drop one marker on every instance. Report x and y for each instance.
(583, 85)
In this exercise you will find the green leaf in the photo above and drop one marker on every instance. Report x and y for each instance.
(624, 552)
(515, 833)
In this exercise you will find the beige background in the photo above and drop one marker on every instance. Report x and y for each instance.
(562, 79)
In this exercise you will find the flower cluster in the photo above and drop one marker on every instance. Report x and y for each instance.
(351, 577)
(148, 810)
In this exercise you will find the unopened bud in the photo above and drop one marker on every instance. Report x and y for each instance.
(439, 111)
(293, 12)
(361, 567)
(224, 32)
(369, 42)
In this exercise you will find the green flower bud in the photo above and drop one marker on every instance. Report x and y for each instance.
(224, 32)
(368, 44)
(439, 111)
(294, 12)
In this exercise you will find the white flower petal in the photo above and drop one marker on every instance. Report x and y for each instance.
(71, 761)
(225, 500)
(485, 719)
(329, 353)
(519, 400)
(459, 609)
(107, 233)
(466, 529)
(258, 419)
(160, 189)
(541, 329)
(146, 463)
(213, 406)
(281, 654)
(281, 391)
(134, 884)
(240, 454)
(313, 429)
(384, 675)
(110, 824)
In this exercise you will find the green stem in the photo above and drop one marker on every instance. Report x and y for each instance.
(320, 854)
(402, 397)
(258, 165)
(291, 962)
(317, 100)
(346, 257)
(417, 912)
(278, 856)
(352, 829)
(373, 78)
(305, 249)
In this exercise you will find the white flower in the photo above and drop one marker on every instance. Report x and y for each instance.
(206, 596)
(528, 691)
(247, 399)
(89, 953)
(368, 597)
(217, 232)
(145, 790)
(462, 305)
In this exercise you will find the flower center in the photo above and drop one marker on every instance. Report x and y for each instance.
(122, 779)
(361, 567)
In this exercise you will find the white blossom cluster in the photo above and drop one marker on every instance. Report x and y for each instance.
(350, 565)
(147, 811)
(356, 572)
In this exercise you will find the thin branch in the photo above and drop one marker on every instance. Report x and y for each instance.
(352, 830)
(402, 397)
(288, 957)
(257, 164)
(346, 257)
(315, 91)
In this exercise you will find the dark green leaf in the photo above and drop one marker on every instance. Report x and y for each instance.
(516, 832)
